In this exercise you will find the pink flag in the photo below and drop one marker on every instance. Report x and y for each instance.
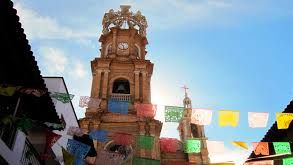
(109, 158)
(261, 148)
(123, 138)
(258, 119)
(201, 116)
(89, 102)
(146, 110)
(215, 146)
(168, 144)
(74, 131)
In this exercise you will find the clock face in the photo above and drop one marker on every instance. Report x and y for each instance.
(123, 45)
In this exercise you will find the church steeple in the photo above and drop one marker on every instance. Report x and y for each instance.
(186, 101)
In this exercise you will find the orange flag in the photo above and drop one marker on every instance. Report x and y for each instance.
(261, 148)
(240, 144)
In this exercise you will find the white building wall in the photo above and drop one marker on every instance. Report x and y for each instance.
(13, 156)
(56, 84)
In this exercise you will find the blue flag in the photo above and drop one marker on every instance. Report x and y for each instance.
(99, 135)
(78, 149)
(118, 106)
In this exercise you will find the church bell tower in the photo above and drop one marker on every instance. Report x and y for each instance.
(123, 73)
(188, 130)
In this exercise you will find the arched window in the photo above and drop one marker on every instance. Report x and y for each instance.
(121, 86)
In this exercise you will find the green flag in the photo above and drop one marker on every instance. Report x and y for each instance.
(282, 147)
(288, 161)
(192, 146)
(173, 113)
(145, 142)
(144, 161)
(63, 97)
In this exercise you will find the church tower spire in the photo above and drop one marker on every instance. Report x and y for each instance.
(188, 130)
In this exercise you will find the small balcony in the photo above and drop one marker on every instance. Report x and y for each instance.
(121, 97)
(30, 155)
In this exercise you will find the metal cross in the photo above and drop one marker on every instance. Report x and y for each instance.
(185, 89)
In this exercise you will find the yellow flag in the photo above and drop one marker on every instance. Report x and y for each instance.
(7, 91)
(240, 144)
(228, 118)
(67, 157)
(283, 120)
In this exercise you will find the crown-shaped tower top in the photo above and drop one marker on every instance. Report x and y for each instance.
(124, 19)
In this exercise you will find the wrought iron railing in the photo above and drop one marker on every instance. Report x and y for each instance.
(30, 155)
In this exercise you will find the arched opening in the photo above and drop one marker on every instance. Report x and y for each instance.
(121, 86)
(124, 150)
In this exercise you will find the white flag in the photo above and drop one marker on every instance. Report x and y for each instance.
(215, 146)
(201, 116)
(258, 119)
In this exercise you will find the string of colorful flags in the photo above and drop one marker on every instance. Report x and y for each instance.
(227, 117)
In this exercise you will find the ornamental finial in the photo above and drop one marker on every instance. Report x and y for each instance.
(124, 17)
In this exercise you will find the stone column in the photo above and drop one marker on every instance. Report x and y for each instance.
(155, 146)
(96, 83)
(114, 47)
(144, 84)
(141, 128)
(105, 84)
(136, 85)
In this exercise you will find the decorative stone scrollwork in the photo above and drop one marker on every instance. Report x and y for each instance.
(119, 18)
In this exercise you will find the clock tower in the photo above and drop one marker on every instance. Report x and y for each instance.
(123, 73)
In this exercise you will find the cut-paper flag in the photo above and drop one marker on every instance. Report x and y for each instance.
(122, 138)
(215, 146)
(282, 147)
(145, 161)
(67, 157)
(109, 158)
(283, 120)
(146, 110)
(145, 142)
(7, 90)
(228, 118)
(192, 146)
(288, 161)
(173, 113)
(260, 162)
(116, 106)
(99, 135)
(32, 91)
(261, 148)
(258, 119)
(201, 116)
(78, 149)
(168, 144)
(51, 139)
(74, 131)
(240, 144)
(63, 97)
(89, 102)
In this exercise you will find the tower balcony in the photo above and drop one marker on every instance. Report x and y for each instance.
(121, 97)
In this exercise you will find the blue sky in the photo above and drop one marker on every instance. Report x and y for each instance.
(231, 54)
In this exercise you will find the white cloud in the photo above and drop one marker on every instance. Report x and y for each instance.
(54, 60)
(44, 27)
(78, 70)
